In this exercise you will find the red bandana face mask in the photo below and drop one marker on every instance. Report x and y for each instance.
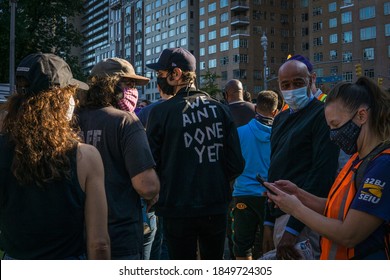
(129, 100)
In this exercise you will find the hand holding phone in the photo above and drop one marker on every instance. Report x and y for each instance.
(261, 181)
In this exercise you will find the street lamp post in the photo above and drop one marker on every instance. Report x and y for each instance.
(12, 47)
(264, 44)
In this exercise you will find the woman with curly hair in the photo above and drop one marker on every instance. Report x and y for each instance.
(52, 194)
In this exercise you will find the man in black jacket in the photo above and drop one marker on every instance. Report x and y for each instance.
(196, 147)
(301, 151)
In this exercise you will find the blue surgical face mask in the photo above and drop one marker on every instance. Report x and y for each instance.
(296, 98)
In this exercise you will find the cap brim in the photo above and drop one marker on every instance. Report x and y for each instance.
(139, 80)
(156, 66)
(80, 84)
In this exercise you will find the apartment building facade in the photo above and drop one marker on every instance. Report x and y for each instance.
(225, 36)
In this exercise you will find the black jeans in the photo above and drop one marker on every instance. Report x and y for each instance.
(184, 234)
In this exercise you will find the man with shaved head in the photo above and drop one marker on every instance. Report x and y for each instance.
(301, 151)
(242, 110)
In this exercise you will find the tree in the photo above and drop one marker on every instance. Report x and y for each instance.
(40, 25)
(209, 85)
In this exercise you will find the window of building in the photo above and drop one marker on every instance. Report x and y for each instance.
(319, 72)
(346, 17)
(240, 43)
(257, 75)
(202, 65)
(317, 57)
(202, 38)
(305, 31)
(305, 17)
(212, 21)
(201, 11)
(224, 31)
(212, 35)
(387, 29)
(332, 7)
(171, 20)
(334, 70)
(223, 3)
(212, 63)
(171, 8)
(368, 33)
(224, 46)
(183, 4)
(332, 22)
(284, 47)
(183, 29)
(369, 73)
(317, 11)
(347, 56)
(388, 51)
(367, 12)
(347, 37)
(183, 42)
(212, 49)
(333, 38)
(224, 76)
(317, 26)
(347, 76)
(386, 8)
(202, 51)
(224, 60)
(239, 74)
(164, 35)
(368, 54)
(240, 58)
(183, 16)
(304, 3)
(332, 54)
(171, 33)
(202, 24)
(305, 46)
(224, 17)
(212, 7)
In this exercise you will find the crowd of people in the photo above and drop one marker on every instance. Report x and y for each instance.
(89, 171)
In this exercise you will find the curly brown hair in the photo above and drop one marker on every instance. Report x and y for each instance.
(103, 91)
(38, 127)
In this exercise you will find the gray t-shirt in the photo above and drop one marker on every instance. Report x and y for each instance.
(121, 140)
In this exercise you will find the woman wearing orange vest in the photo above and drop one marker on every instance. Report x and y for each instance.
(353, 220)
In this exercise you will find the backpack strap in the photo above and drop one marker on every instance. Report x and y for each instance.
(359, 174)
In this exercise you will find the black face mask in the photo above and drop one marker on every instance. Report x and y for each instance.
(165, 87)
(346, 137)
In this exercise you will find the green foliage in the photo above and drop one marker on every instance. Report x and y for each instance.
(209, 85)
(40, 25)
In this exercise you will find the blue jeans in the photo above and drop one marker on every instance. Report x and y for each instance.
(159, 247)
(149, 237)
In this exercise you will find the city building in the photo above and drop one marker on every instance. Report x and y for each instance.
(243, 39)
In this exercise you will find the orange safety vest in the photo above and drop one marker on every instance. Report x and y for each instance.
(322, 97)
(339, 200)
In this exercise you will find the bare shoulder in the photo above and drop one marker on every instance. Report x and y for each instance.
(86, 153)
(89, 164)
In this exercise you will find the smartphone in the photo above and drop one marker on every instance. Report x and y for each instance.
(261, 181)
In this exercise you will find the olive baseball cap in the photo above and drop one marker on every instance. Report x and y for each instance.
(117, 66)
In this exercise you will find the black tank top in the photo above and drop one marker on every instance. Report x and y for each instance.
(40, 223)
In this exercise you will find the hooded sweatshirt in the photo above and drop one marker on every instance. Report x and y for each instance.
(256, 150)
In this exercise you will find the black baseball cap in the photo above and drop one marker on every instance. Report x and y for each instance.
(43, 71)
(174, 57)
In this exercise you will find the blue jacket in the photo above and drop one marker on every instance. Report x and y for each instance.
(256, 150)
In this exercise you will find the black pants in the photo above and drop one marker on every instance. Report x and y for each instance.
(184, 234)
